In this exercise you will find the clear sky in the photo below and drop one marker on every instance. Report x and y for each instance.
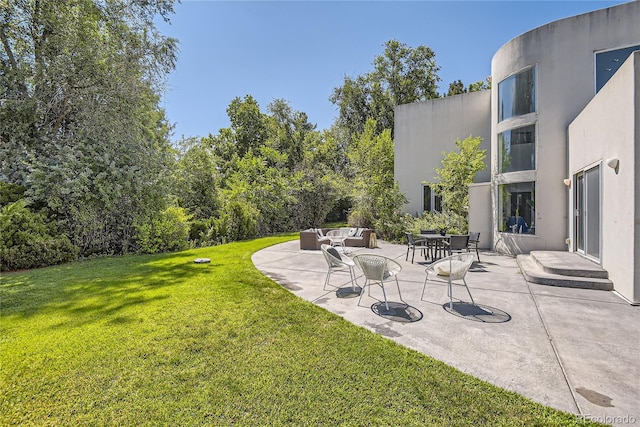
(300, 50)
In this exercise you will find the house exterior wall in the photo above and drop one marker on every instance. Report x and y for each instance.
(424, 130)
(609, 128)
(562, 53)
(480, 213)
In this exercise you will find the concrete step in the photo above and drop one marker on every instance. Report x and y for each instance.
(534, 273)
(568, 264)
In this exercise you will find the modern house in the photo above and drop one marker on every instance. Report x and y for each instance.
(561, 124)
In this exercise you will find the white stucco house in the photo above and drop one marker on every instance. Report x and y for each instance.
(561, 124)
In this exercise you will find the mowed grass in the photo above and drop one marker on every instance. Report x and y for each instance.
(159, 340)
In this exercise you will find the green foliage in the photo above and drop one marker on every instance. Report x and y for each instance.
(238, 221)
(377, 199)
(167, 231)
(457, 173)
(480, 85)
(80, 124)
(197, 179)
(450, 222)
(401, 75)
(29, 240)
(10, 193)
(456, 88)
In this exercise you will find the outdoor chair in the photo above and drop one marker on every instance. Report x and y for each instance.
(414, 242)
(432, 245)
(337, 262)
(453, 267)
(457, 243)
(474, 239)
(377, 269)
(338, 237)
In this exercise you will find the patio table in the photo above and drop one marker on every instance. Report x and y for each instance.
(438, 239)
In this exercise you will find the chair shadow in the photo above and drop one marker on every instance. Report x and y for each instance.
(397, 311)
(477, 312)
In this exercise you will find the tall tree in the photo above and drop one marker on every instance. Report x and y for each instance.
(401, 75)
(377, 199)
(80, 123)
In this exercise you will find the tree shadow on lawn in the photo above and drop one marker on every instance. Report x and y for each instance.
(100, 289)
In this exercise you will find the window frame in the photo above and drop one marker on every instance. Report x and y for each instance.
(522, 224)
(533, 151)
(533, 107)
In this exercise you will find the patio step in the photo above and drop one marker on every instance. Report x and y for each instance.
(565, 269)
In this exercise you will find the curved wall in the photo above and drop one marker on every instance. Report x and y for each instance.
(563, 53)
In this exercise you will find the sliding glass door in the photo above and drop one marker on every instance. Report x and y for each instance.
(586, 211)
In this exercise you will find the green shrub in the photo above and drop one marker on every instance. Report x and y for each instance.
(238, 221)
(166, 232)
(450, 222)
(30, 240)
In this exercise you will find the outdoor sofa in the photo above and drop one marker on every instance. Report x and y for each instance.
(313, 238)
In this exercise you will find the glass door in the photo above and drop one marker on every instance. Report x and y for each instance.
(587, 212)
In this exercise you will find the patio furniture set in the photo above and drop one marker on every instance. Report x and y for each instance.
(435, 245)
(314, 238)
(378, 269)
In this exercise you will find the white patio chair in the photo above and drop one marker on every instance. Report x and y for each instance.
(377, 269)
(338, 262)
(338, 236)
(453, 267)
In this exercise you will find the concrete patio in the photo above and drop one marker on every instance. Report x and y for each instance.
(577, 350)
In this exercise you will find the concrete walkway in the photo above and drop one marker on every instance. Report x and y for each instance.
(577, 350)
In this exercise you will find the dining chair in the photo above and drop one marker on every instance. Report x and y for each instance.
(414, 242)
(338, 262)
(377, 269)
(432, 245)
(474, 239)
(450, 269)
(457, 243)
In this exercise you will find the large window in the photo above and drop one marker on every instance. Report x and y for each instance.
(517, 149)
(430, 202)
(516, 95)
(517, 204)
(607, 63)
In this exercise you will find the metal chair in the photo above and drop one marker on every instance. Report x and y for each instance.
(457, 243)
(474, 239)
(338, 262)
(377, 269)
(453, 267)
(414, 242)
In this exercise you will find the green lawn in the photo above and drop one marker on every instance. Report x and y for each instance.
(159, 340)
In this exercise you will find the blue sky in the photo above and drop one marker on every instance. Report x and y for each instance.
(300, 50)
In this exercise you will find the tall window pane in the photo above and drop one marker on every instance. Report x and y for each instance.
(516, 95)
(517, 149)
(517, 204)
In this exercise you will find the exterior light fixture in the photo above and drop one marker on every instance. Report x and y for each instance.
(613, 163)
(567, 182)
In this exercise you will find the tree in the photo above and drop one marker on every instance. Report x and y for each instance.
(80, 124)
(377, 199)
(401, 75)
(456, 88)
(457, 173)
(480, 85)
(248, 124)
(197, 178)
